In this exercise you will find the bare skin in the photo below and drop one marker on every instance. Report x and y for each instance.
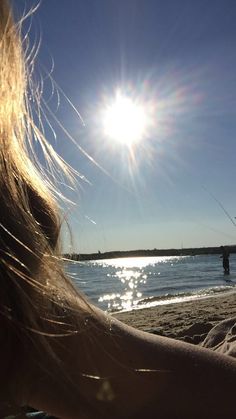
(115, 371)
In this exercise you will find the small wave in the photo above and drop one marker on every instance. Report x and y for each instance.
(181, 297)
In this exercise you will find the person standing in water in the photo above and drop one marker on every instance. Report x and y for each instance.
(225, 257)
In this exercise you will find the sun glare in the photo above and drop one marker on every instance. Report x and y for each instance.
(125, 120)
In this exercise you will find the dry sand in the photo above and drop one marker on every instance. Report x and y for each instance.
(189, 321)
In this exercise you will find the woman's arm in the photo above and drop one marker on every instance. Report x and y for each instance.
(113, 370)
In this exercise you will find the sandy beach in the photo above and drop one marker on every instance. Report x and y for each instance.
(189, 321)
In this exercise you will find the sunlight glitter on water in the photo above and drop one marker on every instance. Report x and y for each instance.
(130, 280)
(127, 284)
(137, 262)
(132, 276)
(126, 299)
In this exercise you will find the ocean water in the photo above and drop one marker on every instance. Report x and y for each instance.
(130, 283)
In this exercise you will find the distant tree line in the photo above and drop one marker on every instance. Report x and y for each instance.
(143, 253)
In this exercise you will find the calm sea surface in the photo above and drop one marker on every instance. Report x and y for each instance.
(130, 283)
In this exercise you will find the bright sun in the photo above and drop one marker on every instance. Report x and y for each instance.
(125, 120)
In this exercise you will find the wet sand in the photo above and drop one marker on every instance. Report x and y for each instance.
(189, 321)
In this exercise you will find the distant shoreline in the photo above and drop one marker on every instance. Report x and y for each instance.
(145, 253)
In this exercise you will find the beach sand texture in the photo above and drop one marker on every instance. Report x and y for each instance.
(188, 321)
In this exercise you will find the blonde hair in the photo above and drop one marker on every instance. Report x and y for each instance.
(36, 300)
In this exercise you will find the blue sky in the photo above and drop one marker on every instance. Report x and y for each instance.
(176, 57)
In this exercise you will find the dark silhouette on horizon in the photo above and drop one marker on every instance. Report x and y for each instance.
(149, 252)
